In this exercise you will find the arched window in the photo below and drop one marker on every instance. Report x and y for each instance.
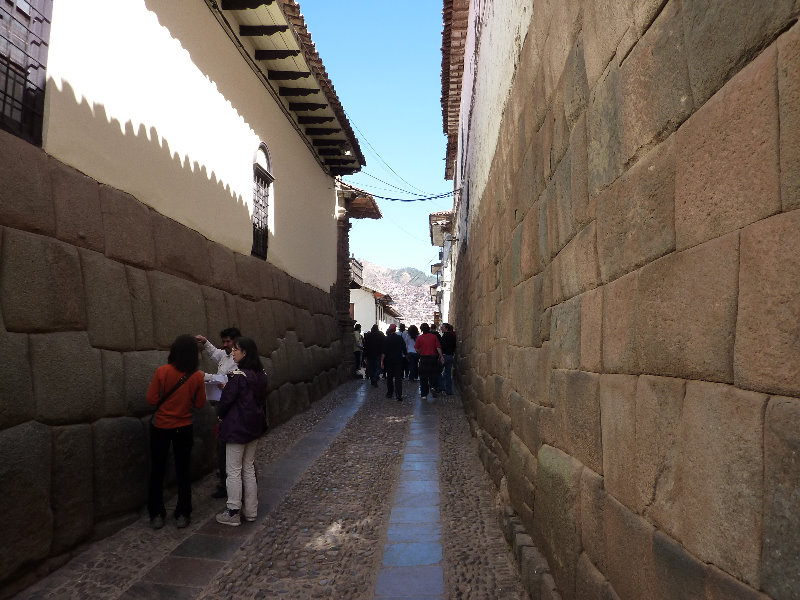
(262, 182)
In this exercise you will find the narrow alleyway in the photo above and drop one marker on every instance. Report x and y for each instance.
(361, 497)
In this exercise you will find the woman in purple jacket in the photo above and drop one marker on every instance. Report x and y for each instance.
(242, 414)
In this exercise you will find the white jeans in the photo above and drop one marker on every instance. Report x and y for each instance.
(240, 465)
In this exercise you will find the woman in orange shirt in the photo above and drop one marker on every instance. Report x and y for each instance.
(176, 389)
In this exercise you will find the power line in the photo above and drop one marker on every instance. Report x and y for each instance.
(425, 199)
(378, 154)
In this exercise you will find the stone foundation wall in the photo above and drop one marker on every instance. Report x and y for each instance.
(628, 306)
(94, 287)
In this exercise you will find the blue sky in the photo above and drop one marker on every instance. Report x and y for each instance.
(384, 60)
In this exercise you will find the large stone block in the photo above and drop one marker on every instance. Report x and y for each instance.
(659, 405)
(221, 268)
(27, 526)
(789, 110)
(583, 206)
(629, 552)
(248, 273)
(521, 473)
(120, 466)
(26, 200)
(720, 501)
(721, 37)
(604, 25)
(636, 215)
(592, 331)
(565, 334)
(604, 124)
(180, 250)
(590, 583)
(686, 312)
(16, 398)
(67, 378)
(109, 310)
(679, 575)
(780, 569)
(498, 425)
(580, 415)
(139, 370)
(575, 84)
(114, 404)
(76, 197)
(178, 307)
(618, 422)
(128, 228)
(217, 317)
(721, 586)
(72, 487)
(563, 226)
(40, 287)
(592, 508)
(577, 262)
(619, 325)
(655, 91)
(557, 514)
(767, 327)
(727, 173)
(142, 307)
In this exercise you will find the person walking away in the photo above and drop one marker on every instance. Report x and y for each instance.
(175, 390)
(430, 359)
(394, 351)
(448, 353)
(373, 348)
(411, 353)
(358, 350)
(225, 366)
(401, 331)
(242, 411)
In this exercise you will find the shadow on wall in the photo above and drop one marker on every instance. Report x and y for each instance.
(137, 161)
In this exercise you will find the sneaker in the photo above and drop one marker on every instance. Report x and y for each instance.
(220, 493)
(182, 521)
(229, 517)
(250, 519)
(157, 522)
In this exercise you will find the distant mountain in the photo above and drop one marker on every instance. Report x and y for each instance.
(409, 289)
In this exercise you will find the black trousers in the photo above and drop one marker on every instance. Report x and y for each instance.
(394, 379)
(181, 440)
(428, 373)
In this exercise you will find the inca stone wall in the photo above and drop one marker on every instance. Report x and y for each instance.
(94, 287)
(628, 306)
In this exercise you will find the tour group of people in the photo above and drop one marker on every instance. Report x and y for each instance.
(239, 391)
(421, 354)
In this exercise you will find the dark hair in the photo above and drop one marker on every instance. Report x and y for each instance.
(183, 354)
(425, 328)
(375, 328)
(358, 327)
(251, 359)
(402, 326)
(413, 331)
(230, 332)
(447, 327)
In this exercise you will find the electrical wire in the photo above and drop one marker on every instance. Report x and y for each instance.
(377, 154)
(427, 198)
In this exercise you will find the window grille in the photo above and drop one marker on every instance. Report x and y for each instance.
(24, 35)
(261, 183)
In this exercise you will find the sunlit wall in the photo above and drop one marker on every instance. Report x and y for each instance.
(152, 97)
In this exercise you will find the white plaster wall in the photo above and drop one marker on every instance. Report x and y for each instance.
(363, 308)
(496, 33)
(152, 97)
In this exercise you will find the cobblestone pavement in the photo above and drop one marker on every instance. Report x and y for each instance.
(325, 538)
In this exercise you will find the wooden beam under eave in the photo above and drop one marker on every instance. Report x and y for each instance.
(244, 4)
(290, 91)
(287, 75)
(322, 130)
(298, 106)
(335, 162)
(259, 30)
(334, 142)
(275, 54)
(314, 120)
(343, 170)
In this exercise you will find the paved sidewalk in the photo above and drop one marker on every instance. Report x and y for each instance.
(350, 507)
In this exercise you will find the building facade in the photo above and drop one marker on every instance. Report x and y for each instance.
(627, 287)
(165, 168)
